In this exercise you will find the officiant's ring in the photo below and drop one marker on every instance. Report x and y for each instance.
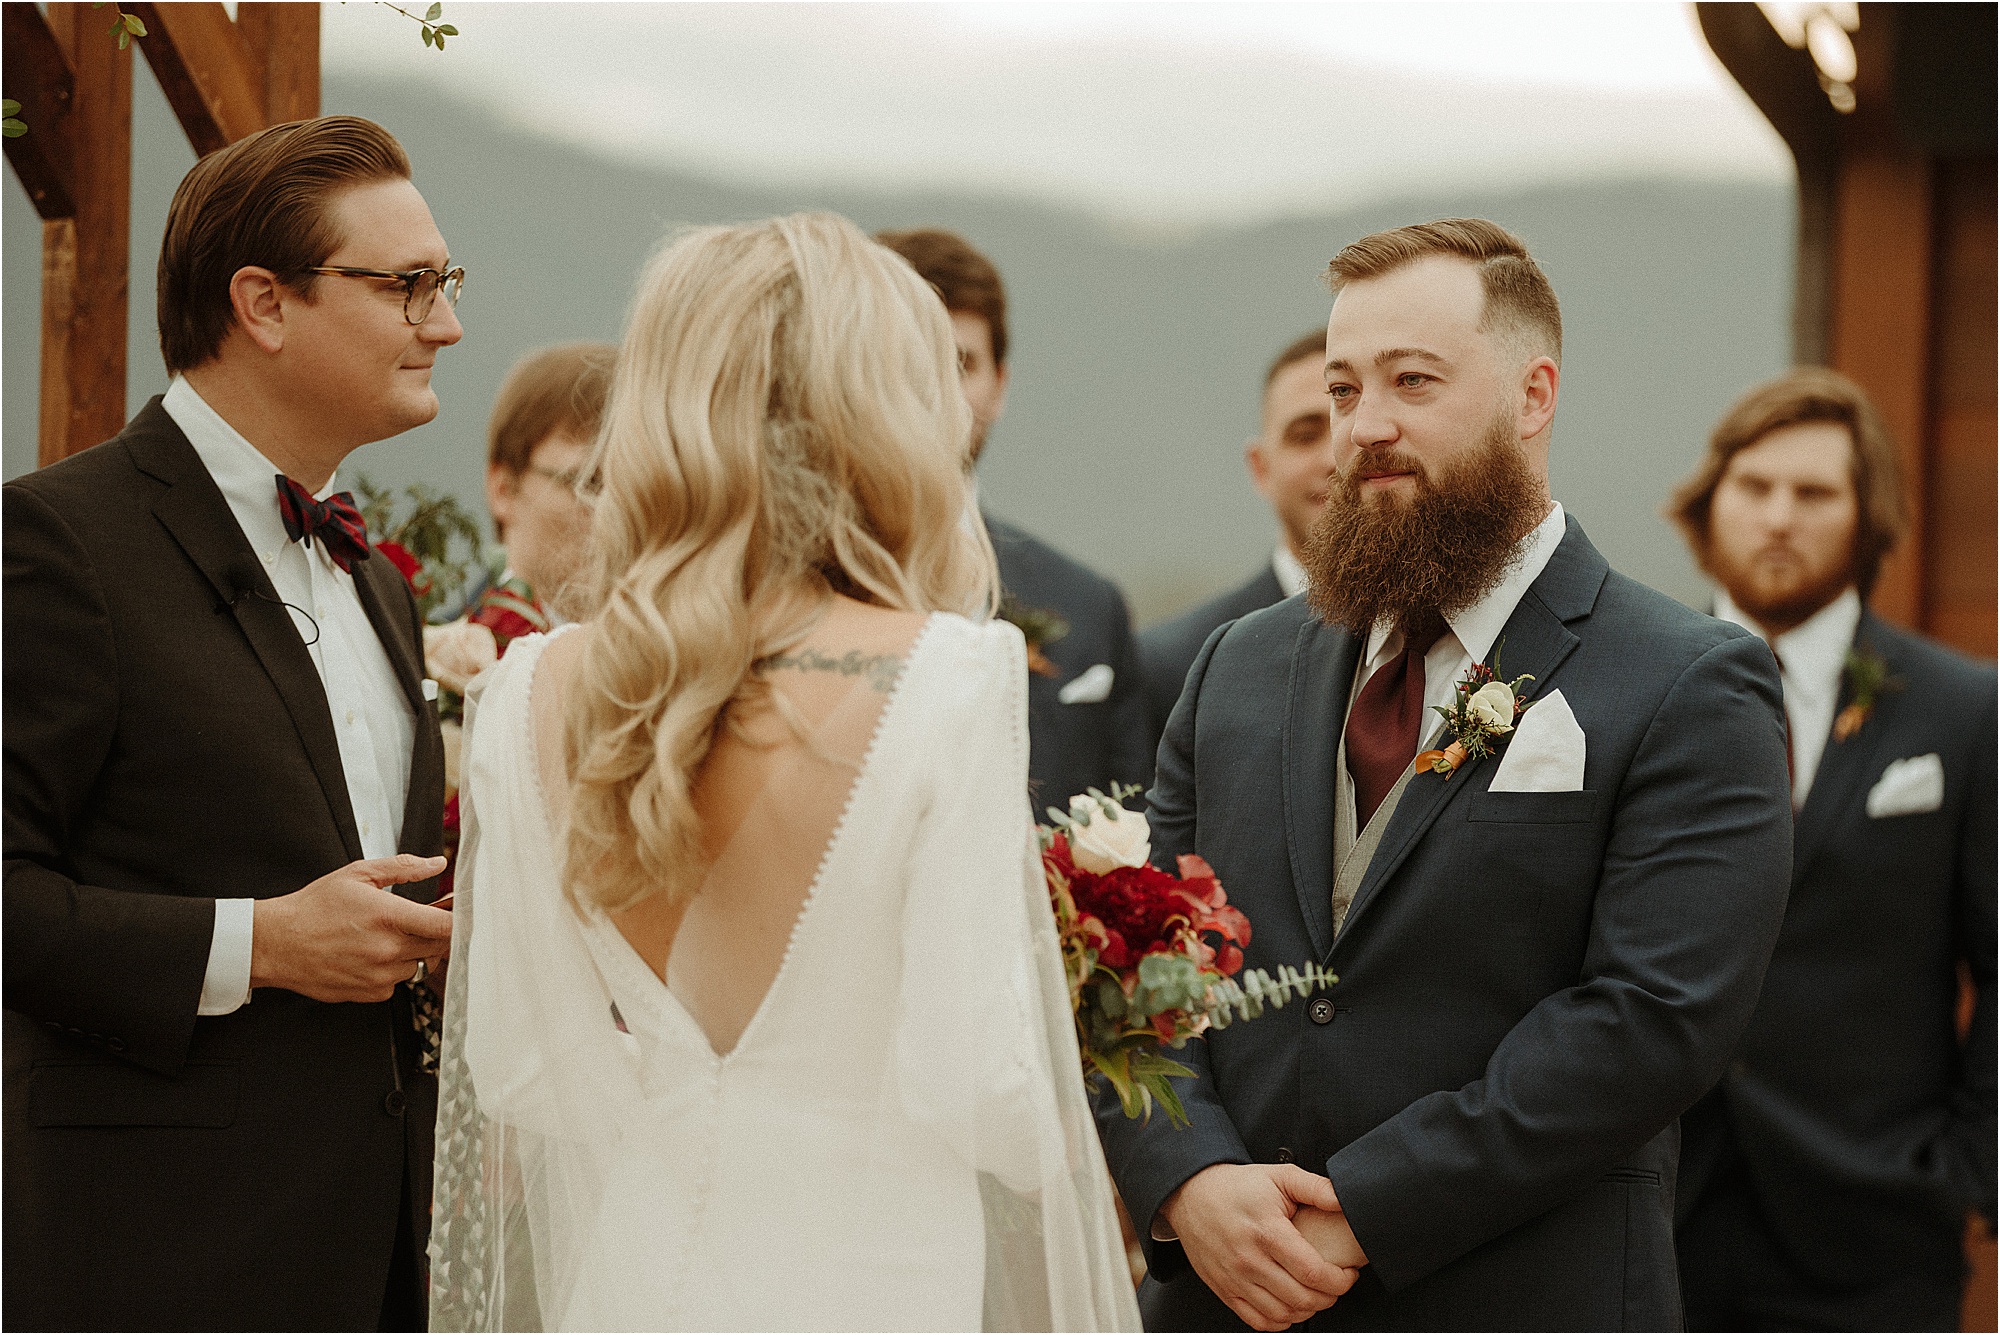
(423, 971)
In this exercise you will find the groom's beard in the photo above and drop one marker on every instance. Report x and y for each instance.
(1383, 558)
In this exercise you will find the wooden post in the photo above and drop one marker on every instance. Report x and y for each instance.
(285, 40)
(84, 258)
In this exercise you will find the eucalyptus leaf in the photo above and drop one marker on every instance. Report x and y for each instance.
(447, 30)
(9, 107)
(435, 12)
(134, 25)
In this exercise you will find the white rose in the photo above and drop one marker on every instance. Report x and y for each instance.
(1493, 705)
(1107, 842)
(459, 651)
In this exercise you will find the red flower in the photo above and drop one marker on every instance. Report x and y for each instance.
(1142, 906)
(506, 624)
(412, 569)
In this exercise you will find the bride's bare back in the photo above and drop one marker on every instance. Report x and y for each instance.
(769, 803)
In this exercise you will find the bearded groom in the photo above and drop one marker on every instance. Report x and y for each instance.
(1546, 954)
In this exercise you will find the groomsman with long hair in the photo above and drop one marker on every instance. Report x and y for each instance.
(1825, 1181)
(225, 784)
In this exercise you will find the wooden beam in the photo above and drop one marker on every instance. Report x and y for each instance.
(84, 259)
(37, 75)
(205, 66)
(285, 38)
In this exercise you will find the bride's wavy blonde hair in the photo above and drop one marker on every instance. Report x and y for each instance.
(785, 422)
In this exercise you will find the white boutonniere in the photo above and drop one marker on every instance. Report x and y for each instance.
(1483, 714)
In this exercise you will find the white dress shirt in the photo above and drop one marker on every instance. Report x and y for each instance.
(1811, 657)
(372, 718)
(1468, 639)
(1292, 577)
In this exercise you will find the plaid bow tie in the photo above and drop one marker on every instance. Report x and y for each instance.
(334, 521)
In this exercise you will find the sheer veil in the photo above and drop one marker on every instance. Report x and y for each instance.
(564, 1081)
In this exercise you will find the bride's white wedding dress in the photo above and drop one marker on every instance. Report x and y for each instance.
(899, 1137)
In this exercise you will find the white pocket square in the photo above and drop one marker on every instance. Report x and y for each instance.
(1089, 687)
(430, 688)
(1545, 754)
(1909, 787)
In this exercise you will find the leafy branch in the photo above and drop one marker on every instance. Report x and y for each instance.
(123, 26)
(434, 32)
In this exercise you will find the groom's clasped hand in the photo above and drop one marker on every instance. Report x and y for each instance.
(1269, 1239)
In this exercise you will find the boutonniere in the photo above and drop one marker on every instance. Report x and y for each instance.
(1867, 674)
(1483, 712)
(1038, 626)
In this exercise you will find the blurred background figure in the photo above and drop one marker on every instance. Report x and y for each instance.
(1290, 459)
(1824, 1182)
(1087, 717)
(543, 424)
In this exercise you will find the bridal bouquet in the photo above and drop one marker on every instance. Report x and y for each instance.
(1151, 957)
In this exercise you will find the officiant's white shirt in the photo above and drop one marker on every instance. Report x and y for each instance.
(372, 718)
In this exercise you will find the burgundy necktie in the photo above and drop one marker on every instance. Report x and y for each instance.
(334, 521)
(1387, 719)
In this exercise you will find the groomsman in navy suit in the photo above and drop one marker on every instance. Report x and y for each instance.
(1086, 696)
(1825, 1182)
(1545, 953)
(1290, 461)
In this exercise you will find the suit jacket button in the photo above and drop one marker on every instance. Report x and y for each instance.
(392, 1103)
(1284, 1154)
(1321, 1011)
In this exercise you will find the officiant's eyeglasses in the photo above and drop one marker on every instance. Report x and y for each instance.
(420, 286)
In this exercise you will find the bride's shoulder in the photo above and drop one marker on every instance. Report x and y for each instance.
(959, 658)
(995, 644)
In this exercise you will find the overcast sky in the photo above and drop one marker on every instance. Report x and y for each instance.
(1146, 114)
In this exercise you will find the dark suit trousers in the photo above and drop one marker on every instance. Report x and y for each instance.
(1736, 1275)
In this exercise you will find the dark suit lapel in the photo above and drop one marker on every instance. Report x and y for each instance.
(1535, 642)
(1323, 663)
(194, 513)
(383, 597)
(1845, 768)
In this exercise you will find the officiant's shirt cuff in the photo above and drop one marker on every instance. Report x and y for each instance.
(226, 985)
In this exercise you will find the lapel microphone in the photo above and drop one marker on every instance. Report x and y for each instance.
(240, 577)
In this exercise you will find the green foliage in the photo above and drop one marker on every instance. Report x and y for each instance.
(1038, 625)
(1258, 989)
(434, 32)
(11, 126)
(437, 531)
(123, 26)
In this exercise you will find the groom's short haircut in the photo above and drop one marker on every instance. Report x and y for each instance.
(965, 279)
(1517, 291)
(1805, 394)
(260, 201)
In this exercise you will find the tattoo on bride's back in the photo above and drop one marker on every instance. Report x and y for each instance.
(880, 669)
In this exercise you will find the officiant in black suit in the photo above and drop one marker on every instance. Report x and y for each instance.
(1546, 953)
(223, 784)
(1087, 723)
(1825, 1182)
(1290, 461)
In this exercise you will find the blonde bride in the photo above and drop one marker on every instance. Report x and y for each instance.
(756, 1019)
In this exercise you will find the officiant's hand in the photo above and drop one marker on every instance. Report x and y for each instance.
(1235, 1221)
(345, 937)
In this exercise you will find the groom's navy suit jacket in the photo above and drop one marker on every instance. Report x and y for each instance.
(1533, 986)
